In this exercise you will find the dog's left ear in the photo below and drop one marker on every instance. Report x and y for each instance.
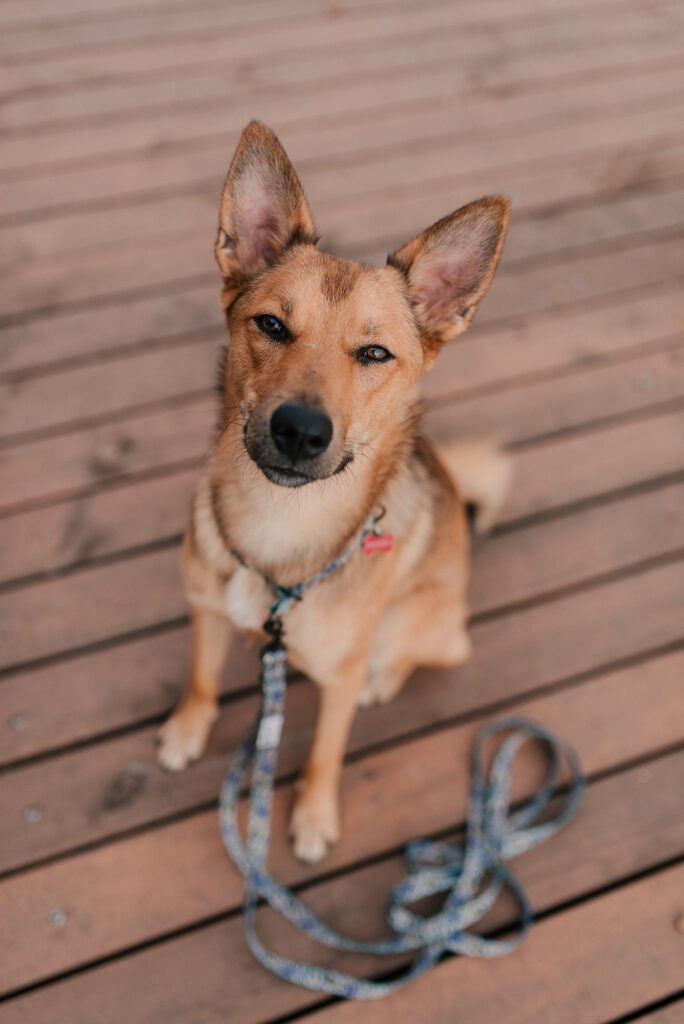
(263, 209)
(450, 266)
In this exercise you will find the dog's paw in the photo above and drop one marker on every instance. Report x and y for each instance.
(184, 735)
(314, 826)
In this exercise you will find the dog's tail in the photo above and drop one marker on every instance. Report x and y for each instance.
(482, 473)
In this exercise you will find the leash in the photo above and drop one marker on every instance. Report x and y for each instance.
(471, 874)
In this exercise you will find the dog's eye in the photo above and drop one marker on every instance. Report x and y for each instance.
(373, 354)
(272, 327)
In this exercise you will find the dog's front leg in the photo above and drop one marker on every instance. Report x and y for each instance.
(315, 820)
(184, 736)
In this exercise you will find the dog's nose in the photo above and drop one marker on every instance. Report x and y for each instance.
(300, 432)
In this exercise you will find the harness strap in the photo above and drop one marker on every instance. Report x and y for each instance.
(470, 874)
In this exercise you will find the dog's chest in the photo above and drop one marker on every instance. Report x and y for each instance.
(314, 641)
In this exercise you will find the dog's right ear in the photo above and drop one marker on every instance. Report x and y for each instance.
(263, 209)
(449, 267)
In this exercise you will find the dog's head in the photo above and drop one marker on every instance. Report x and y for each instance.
(325, 354)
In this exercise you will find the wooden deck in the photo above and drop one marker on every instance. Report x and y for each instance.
(118, 120)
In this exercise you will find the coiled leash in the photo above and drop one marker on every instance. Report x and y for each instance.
(471, 874)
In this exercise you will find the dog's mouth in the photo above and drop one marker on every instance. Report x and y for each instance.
(285, 477)
(288, 476)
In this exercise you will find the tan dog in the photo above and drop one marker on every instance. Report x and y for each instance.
(319, 428)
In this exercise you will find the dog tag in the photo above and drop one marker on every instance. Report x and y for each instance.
(377, 542)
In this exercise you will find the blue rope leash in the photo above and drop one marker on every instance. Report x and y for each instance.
(471, 875)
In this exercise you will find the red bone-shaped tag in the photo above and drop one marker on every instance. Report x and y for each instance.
(377, 542)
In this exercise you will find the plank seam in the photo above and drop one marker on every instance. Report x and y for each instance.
(643, 1011)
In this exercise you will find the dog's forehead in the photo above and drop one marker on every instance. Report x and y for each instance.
(311, 284)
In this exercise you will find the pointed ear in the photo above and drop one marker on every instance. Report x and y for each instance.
(450, 266)
(263, 209)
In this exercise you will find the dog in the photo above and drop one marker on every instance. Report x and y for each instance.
(320, 426)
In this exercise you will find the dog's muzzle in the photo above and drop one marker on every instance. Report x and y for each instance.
(293, 447)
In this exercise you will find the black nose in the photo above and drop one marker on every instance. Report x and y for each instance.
(300, 432)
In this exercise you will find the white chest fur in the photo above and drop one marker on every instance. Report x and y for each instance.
(246, 599)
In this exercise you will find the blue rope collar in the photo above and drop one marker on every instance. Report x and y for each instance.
(471, 875)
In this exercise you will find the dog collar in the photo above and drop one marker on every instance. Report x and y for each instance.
(368, 539)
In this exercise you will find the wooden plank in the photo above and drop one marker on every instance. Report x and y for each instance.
(113, 689)
(413, 791)
(64, 466)
(144, 24)
(614, 462)
(103, 522)
(542, 408)
(17, 17)
(567, 967)
(27, 155)
(133, 24)
(293, 71)
(60, 233)
(93, 605)
(556, 339)
(200, 168)
(82, 397)
(138, 380)
(564, 552)
(184, 49)
(606, 222)
(43, 16)
(90, 794)
(296, 73)
(142, 679)
(282, 35)
(46, 283)
(191, 312)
